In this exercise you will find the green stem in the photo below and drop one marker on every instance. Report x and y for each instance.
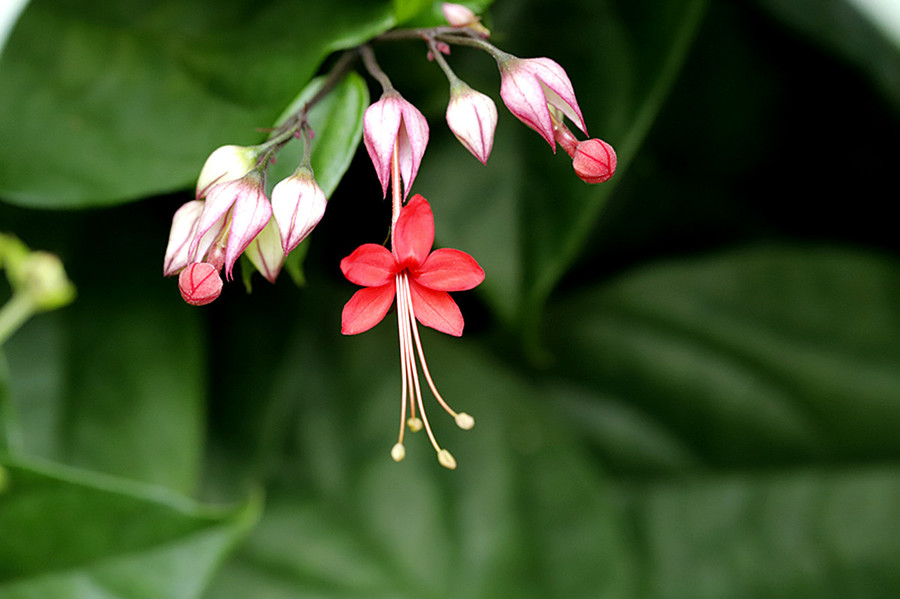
(374, 69)
(442, 62)
(14, 313)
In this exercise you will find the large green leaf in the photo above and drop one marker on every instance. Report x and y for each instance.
(69, 534)
(759, 357)
(107, 102)
(524, 515)
(793, 533)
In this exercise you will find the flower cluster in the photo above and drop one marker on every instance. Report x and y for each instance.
(232, 215)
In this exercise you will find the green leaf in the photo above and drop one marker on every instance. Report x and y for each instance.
(114, 383)
(759, 357)
(67, 534)
(795, 533)
(109, 102)
(524, 515)
(404, 10)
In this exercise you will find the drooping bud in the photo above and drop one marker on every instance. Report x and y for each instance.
(594, 161)
(298, 204)
(226, 164)
(529, 86)
(184, 225)
(393, 121)
(472, 116)
(414, 424)
(199, 283)
(250, 212)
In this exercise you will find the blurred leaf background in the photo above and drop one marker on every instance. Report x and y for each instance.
(686, 380)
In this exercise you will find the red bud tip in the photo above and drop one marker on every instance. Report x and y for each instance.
(594, 161)
(199, 283)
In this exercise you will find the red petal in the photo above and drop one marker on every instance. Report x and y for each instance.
(370, 265)
(414, 232)
(366, 308)
(449, 270)
(436, 309)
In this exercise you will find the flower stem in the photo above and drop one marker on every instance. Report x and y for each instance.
(14, 313)
(473, 42)
(368, 58)
(441, 61)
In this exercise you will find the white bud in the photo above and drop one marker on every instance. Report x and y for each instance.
(472, 116)
(298, 204)
(226, 164)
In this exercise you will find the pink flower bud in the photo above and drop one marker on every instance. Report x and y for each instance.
(225, 164)
(472, 116)
(245, 201)
(184, 225)
(458, 15)
(393, 121)
(199, 283)
(529, 86)
(594, 161)
(298, 204)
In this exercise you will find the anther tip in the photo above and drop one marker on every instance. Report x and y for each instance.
(414, 424)
(464, 421)
(446, 459)
(398, 452)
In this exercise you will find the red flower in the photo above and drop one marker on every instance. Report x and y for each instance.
(428, 274)
(420, 279)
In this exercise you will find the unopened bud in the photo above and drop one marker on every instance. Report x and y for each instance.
(594, 161)
(398, 452)
(199, 283)
(414, 424)
(298, 204)
(464, 421)
(472, 116)
(446, 459)
(227, 163)
(45, 282)
(458, 15)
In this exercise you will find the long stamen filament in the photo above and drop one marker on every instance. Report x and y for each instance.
(404, 374)
(405, 313)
